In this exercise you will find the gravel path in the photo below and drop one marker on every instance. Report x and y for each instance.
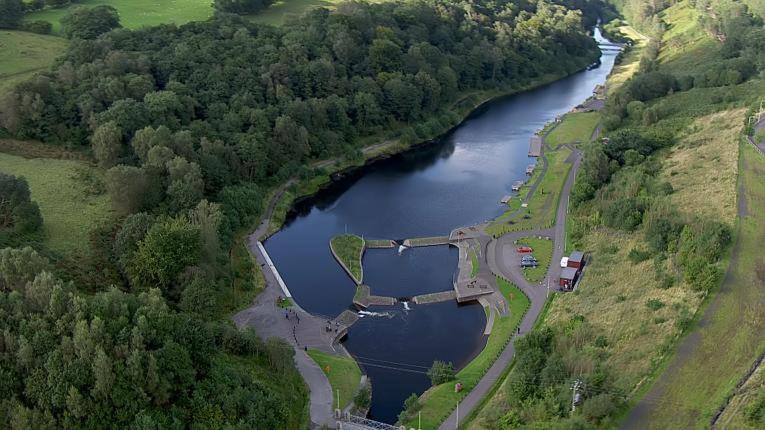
(296, 326)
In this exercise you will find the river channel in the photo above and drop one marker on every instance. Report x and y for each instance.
(427, 191)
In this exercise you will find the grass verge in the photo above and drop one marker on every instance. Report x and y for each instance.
(575, 127)
(343, 373)
(474, 264)
(542, 206)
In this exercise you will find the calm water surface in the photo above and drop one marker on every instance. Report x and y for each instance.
(427, 191)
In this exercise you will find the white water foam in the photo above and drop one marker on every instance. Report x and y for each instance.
(406, 306)
(375, 314)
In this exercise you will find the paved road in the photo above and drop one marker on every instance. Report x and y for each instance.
(502, 260)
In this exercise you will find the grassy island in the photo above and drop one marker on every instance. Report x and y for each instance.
(348, 249)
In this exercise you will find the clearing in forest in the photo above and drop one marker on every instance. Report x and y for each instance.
(70, 194)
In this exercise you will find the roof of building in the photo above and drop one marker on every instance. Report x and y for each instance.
(576, 256)
(568, 273)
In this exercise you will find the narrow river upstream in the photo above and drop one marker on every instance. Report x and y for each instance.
(428, 191)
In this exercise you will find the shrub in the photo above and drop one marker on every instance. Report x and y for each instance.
(363, 398)
(411, 406)
(441, 372)
(598, 407)
(654, 304)
(89, 23)
(637, 256)
(39, 27)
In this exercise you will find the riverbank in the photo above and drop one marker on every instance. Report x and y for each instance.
(286, 196)
(468, 106)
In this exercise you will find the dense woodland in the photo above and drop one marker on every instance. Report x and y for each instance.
(192, 126)
(618, 188)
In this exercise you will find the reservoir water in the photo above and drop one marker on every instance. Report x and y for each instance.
(427, 191)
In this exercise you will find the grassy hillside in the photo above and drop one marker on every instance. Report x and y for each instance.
(68, 194)
(22, 54)
(137, 13)
(636, 305)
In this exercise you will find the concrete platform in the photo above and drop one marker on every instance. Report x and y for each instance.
(443, 296)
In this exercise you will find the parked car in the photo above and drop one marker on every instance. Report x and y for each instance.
(524, 249)
(528, 257)
(529, 263)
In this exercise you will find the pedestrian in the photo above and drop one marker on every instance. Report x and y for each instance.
(287, 315)
(519, 329)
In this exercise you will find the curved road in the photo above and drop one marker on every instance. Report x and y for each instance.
(503, 261)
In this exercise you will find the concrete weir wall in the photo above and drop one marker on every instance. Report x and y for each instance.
(275, 272)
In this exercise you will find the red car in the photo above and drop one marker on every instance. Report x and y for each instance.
(524, 249)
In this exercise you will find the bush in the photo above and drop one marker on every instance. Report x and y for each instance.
(654, 304)
(89, 23)
(637, 256)
(39, 27)
(441, 372)
(363, 398)
(242, 7)
(411, 406)
(598, 407)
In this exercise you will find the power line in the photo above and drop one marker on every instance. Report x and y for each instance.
(390, 362)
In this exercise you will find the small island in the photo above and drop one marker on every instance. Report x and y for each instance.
(348, 250)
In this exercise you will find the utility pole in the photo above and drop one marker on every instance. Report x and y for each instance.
(457, 425)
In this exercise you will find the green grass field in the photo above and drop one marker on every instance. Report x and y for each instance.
(69, 210)
(438, 402)
(22, 54)
(348, 249)
(343, 373)
(137, 13)
(542, 252)
(574, 128)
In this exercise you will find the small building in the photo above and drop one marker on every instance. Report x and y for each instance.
(530, 169)
(517, 185)
(568, 278)
(576, 260)
(506, 199)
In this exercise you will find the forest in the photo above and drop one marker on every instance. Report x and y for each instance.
(192, 126)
